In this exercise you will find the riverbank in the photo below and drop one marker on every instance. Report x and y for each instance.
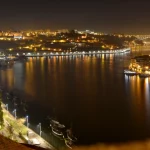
(15, 130)
(42, 53)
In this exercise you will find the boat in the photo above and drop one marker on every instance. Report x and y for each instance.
(57, 128)
(70, 135)
(56, 124)
(130, 72)
(56, 132)
(68, 143)
(144, 75)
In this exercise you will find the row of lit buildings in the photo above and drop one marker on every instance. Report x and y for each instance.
(140, 64)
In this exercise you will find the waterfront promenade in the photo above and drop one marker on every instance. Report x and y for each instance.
(17, 131)
(46, 53)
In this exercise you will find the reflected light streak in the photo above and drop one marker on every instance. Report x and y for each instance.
(111, 57)
(137, 97)
(3, 77)
(29, 85)
(147, 95)
(147, 98)
(10, 78)
(103, 57)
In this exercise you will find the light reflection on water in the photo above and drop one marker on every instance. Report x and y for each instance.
(147, 96)
(90, 92)
(138, 89)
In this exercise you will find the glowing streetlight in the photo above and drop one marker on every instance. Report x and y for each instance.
(15, 113)
(40, 128)
(40, 133)
(6, 106)
(27, 120)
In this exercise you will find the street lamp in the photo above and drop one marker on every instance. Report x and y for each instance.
(27, 120)
(6, 106)
(15, 113)
(40, 128)
(40, 133)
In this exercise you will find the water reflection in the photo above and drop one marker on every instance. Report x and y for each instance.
(30, 75)
(147, 91)
(147, 98)
(7, 78)
(138, 89)
(90, 92)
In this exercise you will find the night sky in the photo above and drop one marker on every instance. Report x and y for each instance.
(128, 16)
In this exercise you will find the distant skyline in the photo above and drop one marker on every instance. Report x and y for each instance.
(109, 16)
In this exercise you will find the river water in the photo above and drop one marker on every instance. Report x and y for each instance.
(88, 93)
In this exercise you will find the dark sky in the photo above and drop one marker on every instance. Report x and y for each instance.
(128, 16)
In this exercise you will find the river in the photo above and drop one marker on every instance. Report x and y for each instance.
(88, 93)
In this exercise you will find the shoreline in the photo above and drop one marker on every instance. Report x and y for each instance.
(42, 53)
(9, 119)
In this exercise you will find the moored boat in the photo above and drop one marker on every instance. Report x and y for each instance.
(56, 124)
(130, 72)
(57, 128)
(68, 143)
(56, 132)
(70, 135)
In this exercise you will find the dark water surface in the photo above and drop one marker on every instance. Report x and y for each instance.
(89, 93)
